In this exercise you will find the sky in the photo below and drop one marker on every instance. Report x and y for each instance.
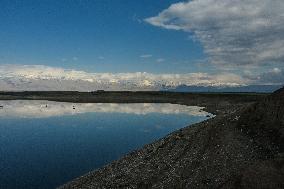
(97, 36)
(241, 42)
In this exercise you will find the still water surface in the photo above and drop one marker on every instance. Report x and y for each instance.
(45, 144)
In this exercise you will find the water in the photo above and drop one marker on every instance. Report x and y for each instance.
(45, 144)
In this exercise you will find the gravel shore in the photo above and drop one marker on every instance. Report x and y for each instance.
(242, 147)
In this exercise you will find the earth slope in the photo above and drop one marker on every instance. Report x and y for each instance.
(242, 149)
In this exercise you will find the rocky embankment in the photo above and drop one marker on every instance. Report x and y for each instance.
(240, 148)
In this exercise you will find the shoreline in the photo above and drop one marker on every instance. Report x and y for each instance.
(235, 149)
(242, 147)
(215, 103)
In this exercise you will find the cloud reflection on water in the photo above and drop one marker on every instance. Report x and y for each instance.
(44, 109)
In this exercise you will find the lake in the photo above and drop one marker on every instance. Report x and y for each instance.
(44, 144)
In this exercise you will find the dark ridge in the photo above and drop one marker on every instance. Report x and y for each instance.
(279, 91)
(249, 88)
(265, 121)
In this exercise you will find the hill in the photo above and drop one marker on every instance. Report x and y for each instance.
(235, 89)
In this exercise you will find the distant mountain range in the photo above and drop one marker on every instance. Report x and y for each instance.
(27, 84)
(43, 78)
(249, 88)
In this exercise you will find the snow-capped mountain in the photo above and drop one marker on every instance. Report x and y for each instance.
(38, 77)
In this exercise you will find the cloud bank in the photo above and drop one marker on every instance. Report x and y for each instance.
(39, 77)
(233, 33)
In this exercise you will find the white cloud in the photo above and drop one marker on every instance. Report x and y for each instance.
(137, 19)
(160, 60)
(233, 33)
(39, 77)
(146, 56)
(276, 70)
(273, 76)
(75, 58)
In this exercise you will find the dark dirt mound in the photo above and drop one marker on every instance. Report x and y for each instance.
(264, 121)
(242, 149)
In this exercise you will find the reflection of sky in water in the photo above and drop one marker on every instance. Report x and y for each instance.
(51, 150)
(40, 109)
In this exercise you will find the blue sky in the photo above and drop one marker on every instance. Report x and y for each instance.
(198, 42)
(97, 36)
